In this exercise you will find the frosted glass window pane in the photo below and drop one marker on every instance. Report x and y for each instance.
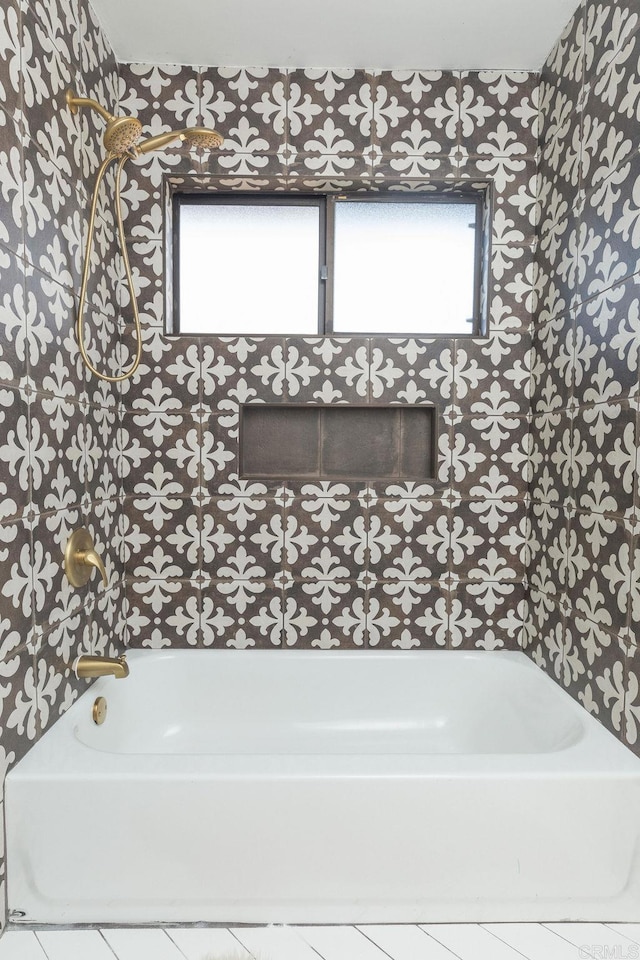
(249, 268)
(404, 267)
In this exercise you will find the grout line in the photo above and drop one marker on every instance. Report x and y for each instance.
(107, 943)
(509, 945)
(618, 933)
(240, 944)
(40, 944)
(167, 934)
(306, 942)
(422, 930)
(444, 945)
(559, 935)
(367, 937)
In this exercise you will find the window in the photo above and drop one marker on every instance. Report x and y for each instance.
(363, 264)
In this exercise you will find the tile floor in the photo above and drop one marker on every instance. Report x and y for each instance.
(490, 941)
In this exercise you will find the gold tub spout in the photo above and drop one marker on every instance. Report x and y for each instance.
(87, 666)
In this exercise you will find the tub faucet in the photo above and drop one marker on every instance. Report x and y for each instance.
(87, 666)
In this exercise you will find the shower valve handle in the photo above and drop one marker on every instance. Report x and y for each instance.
(92, 559)
(81, 558)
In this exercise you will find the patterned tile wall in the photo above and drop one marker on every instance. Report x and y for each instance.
(584, 591)
(212, 560)
(58, 428)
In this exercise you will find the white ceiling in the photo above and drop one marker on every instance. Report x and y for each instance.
(445, 34)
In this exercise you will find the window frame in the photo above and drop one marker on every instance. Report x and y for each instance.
(326, 204)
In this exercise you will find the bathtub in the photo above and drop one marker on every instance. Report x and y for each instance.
(325, 787)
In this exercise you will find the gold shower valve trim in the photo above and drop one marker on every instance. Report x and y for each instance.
(81, 559)
(120, 139)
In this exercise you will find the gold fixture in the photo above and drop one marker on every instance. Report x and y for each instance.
(121, 132)
(99, 712)
(198, 138)
(121, 142)
(80, 559)
(87, 667)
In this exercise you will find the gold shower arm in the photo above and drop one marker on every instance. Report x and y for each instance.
(74, 102)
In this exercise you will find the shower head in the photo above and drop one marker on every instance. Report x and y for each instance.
(194, 137)
(201, 138)
(121, 132)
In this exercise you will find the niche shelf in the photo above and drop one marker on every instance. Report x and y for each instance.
(293, 441)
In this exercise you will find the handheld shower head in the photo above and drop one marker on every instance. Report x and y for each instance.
(194, 137)
(202, 139)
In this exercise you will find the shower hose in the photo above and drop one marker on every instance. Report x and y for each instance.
(122, 159)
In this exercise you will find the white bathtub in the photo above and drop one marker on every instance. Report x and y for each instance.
(325, 787)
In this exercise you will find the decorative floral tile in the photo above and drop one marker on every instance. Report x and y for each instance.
(241, 614)
(327, 370)
(169, 377)
(487, 615)
(325, 539)
(13, 347)
(416, 115)
(552, 461)
(418, 172)
(163, 613)
(325, 614)
(407, 614)
(54, 599)
(63, 451)
(164, 539)
(16, 592)
(57, 685)
(248, 105)
(607, 248)
(487, 540)
(169, 451)
(50, 332)
(20, 717)
(162, 96)
(555, 370)
(105, 627)
(412, 371)
(599, 687)
(491, 455)
(238, 370)
(330, 112)
(561, 81)
(16, 190)
(608, 344)
(514, 193)
(493, 371)
(10, 69)
(548, 532)
(499, 112)
(604, 458)
(621, 690)
(556, 272)
(599, 564)
(242, 539)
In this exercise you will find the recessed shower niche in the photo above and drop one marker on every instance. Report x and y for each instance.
(288, 441)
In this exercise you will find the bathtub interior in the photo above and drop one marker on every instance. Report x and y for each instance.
(382, 702)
